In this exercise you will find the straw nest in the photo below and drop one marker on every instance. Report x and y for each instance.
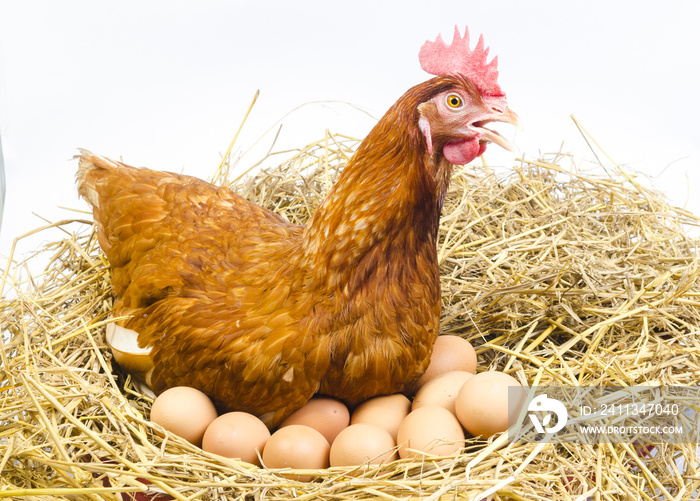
(557, 276)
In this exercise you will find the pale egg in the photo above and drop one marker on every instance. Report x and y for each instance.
(362, 443)
(431, 431)
(298, 447)
(184, 411)
(483, 405)
(450, 353)
(124, 345)
(441, 391)
(324, 414)
(237, 435)
(385, 412)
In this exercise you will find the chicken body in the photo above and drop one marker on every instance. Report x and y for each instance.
(261, 314)
(207, 279)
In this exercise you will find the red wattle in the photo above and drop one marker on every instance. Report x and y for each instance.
(463, 152)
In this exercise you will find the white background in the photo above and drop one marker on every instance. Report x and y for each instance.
(166, 84)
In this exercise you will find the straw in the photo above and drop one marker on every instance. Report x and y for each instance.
(556, 274)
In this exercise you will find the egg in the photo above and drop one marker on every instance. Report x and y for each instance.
(385, 412)
(482, 404)
(450, 353)
(362, 443)
(325, 414)
(299, 447)
(236, 435)
(126, 351)
(430, 430)
(184, 411)
(441, 391)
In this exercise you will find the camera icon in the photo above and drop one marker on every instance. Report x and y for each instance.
(544, 404)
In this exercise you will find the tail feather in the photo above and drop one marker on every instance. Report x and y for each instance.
(86, 177)
(122, 197)
(149, 220)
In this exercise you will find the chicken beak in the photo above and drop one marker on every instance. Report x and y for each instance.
(512, 118)
(508, 116)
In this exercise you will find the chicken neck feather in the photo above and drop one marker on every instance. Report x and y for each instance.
(370, 248)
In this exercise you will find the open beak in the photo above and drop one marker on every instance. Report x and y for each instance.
(488, 135)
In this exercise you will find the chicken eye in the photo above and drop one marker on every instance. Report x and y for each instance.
(454, 101)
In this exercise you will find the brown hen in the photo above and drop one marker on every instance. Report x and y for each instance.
(261, 314)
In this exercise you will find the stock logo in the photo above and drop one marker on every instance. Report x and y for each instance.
(544, 404)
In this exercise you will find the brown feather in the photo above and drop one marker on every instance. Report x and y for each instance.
(261, 314)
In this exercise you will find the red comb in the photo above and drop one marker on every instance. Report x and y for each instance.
(438, 58)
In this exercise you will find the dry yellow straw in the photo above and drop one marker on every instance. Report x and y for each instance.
(556, 274)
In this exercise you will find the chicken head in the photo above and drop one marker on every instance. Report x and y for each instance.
(453, 121)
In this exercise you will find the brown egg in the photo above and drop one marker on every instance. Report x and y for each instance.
(299, 447)
(184, 411)
(236, 435)
(386, 412)
(482, 404)
(362, 443)
(430, 430)
(324, 414)
(450, 353)
(441, 391)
